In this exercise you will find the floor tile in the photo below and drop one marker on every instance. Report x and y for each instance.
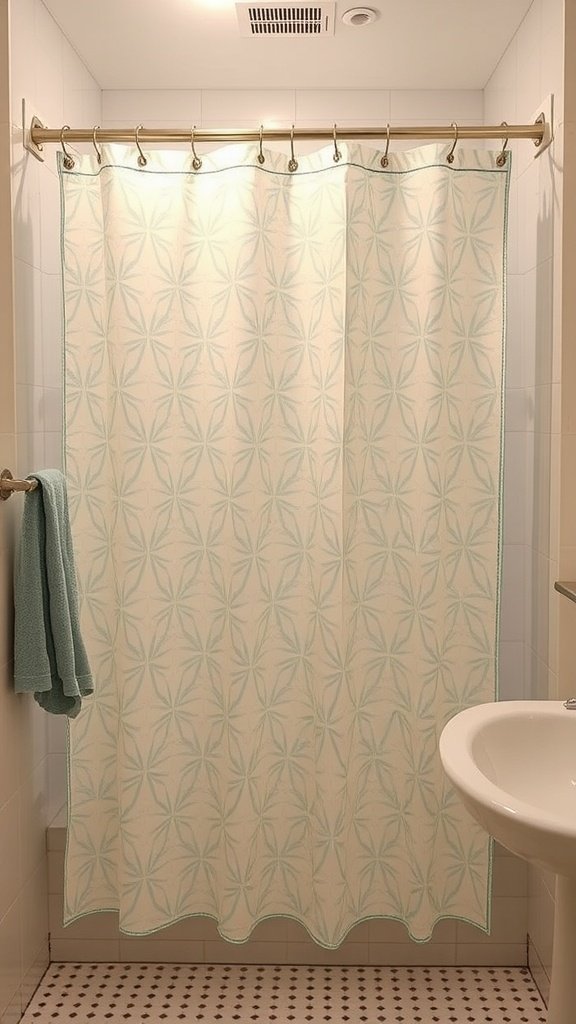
(75, 993)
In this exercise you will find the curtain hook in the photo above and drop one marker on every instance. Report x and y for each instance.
(384, 160)
(142, 161)
(95, 144)
(196, 161)
(68, 158)
(450, 157)
(292, 163)
(501, 158)
(261, 157)
(337, 154)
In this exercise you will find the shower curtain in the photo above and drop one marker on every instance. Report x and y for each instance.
(283, 446)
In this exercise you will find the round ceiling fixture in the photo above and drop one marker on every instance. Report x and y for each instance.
(358, 16)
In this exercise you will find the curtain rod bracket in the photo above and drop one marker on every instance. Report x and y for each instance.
(545, 117)
(29, 143)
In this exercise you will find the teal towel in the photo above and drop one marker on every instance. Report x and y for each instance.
(49, 656)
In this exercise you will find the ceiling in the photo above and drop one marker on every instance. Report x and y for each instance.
(195, 44)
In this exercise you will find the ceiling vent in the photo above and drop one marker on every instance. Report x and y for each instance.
(275, 19)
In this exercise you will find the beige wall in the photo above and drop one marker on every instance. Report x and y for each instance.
(48, 73)
(531, 68)
(23, 881)
(36, 62)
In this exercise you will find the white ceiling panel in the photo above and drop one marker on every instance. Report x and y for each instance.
(196, 44)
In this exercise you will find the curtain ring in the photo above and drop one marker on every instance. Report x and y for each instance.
(292, 163)
(501, 158)
(142, 161)
(68, 158)
(450, 157)
(337, 154)
(95, 144)
(261, 156)
(196, 161)
(384, 160)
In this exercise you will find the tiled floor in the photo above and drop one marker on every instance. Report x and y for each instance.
(165, 993)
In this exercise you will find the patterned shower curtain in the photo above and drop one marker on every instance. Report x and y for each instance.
(283, 446)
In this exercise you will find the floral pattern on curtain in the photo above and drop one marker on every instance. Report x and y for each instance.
(283, 446)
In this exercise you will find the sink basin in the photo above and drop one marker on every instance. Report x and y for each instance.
(513, 764)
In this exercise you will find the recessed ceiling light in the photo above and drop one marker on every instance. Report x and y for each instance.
(358, 16)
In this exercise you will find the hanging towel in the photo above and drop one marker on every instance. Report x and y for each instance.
(49, 656)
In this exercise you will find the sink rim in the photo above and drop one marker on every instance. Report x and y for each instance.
(456, 754)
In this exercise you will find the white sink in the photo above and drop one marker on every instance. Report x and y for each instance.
(513, 763)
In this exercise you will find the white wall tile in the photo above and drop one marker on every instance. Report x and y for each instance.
(495, 954)
(49, 223)
(509, 923)
(151, 106)
(510, 877)
(52, 410)
(511, 673)
(34, 926)
(362, 106)
(32, 823)
(85, 950)
(91, 926)
(538, 972)
(28, 324)
(10, 958)
(441, 105)
(514, 344)
(517, 410)
(512, 612)
(10, 876)
(529, 71)
(57, 784)
(25, 185)
(22, 68)
(412, 954)
(51, 348)
(53, 450)
(159, 950)
(56, 872)
(514, 488)
(247, 107)
(29, 453)
(29, 408)
(528, 200)
(48, 57)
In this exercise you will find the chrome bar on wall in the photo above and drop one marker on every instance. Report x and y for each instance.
(8, 485)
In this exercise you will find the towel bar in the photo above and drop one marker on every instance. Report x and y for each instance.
(8, 484)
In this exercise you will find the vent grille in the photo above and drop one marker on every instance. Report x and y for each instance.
(274, 19)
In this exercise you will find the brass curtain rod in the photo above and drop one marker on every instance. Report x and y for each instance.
(538, 131)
